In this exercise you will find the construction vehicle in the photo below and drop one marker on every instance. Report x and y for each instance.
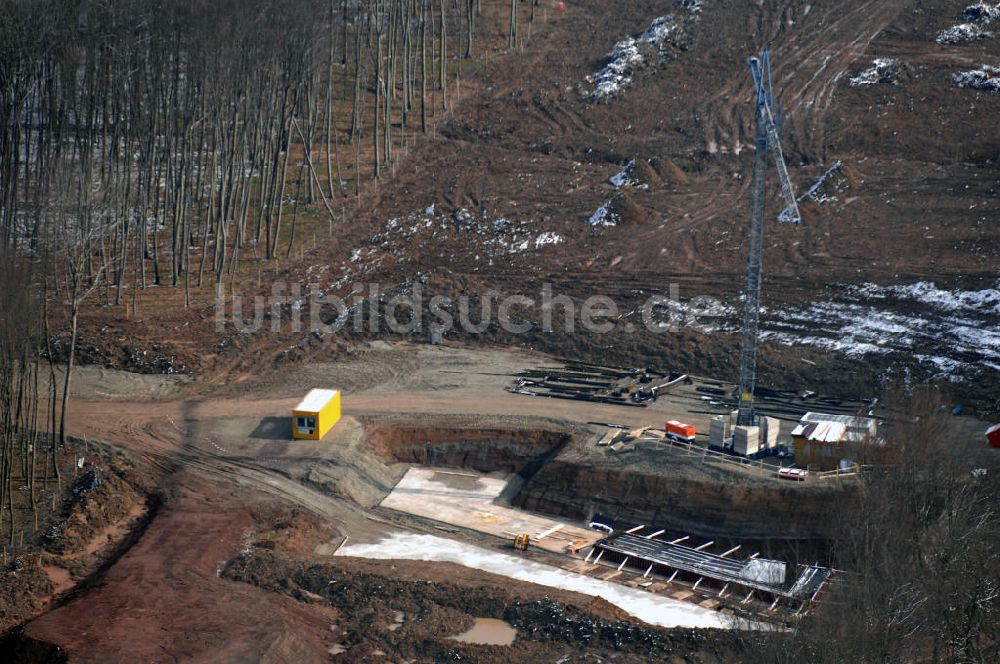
(522, 541)
(768, 135)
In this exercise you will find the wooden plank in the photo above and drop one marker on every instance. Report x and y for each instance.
(542, 535)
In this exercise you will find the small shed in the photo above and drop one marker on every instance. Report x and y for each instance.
(316, 414)
(993, 435)
(824, 439)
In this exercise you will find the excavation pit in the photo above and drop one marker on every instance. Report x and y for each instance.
(471, 501)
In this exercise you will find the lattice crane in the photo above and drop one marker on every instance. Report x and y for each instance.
(768, 120)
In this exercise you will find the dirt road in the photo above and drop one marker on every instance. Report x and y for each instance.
(163, 598)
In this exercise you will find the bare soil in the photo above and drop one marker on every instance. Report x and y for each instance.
(439, 600)
(524, 145)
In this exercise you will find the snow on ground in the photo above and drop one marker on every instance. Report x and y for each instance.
(955, 333)
(957, 301)
(963, 33)
(985, 78)
(883, 70)
(489, 238)
(624, 177)
(604, 216)
(653, 609)
(981, 11)
(977, 17)
(656, 43)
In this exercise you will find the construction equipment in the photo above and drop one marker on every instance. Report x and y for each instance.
(522, 541)
(679, 431)
(768, 123)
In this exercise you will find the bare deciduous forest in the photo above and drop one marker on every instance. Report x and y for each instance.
(148, 144)
(916, 544)
(164, 138)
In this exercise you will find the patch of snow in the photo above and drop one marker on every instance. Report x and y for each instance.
(981, 11)
(985, 78)
(955, 333)
(630, 54)
(977, 18)
(651, 608)
(954, 301)
(624, 178)
(604, 216)
(617, 74)
(546, 238)
(963, 33)
(883, 70)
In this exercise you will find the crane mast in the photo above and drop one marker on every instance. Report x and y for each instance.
(766, 136)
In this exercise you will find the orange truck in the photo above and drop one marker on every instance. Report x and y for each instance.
(679, 431)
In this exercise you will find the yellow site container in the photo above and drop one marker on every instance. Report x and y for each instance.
(316, 414)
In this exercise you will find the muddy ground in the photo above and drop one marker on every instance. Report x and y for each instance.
(231, 487)
(439, 600)
(527, 156)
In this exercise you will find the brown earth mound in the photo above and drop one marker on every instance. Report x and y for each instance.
(76, 529)
(668, 171)
(643, 173)
(809, 210)
(626, 211)
(23, 587)
(852, 176)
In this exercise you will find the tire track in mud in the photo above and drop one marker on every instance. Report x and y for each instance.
(823, 53)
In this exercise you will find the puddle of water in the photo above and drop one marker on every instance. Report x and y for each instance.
(488, 632)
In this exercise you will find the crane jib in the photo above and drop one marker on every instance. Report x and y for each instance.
(767, 136)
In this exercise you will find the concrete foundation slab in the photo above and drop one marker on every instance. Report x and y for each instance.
(466, 500)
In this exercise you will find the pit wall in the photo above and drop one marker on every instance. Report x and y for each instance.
(521, 451)
(757, 511)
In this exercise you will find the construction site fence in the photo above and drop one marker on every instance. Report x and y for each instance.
(703, 451)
